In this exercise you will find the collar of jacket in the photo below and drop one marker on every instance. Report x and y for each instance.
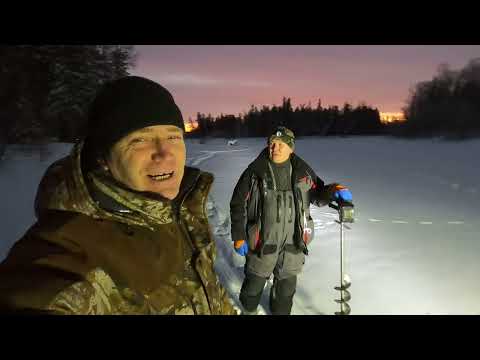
(114, 197)
(64, 187)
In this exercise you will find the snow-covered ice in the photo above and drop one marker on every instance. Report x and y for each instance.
(414, 246)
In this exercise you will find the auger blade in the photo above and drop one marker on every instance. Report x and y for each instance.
(342, 288)
(345, 297)
(346, 282)
(345, 310)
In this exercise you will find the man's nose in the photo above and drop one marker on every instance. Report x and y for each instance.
(161, 151)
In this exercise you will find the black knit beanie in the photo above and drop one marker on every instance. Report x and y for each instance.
(284, 134)
(126, 105)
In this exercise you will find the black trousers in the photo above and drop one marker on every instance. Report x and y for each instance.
(281, 294)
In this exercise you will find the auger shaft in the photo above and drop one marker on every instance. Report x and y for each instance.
(342, 265)
(345, 214)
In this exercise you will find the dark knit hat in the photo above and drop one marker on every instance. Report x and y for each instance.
(284, 134)
(126, 105)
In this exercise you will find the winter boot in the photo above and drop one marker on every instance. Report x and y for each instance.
(246, 312)
(281, 295)
(251, 293)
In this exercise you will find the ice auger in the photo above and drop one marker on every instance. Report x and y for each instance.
(345, 215)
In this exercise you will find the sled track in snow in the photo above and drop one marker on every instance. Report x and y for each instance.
(197, 160)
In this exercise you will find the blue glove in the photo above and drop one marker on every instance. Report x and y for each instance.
(342, 193)
(241, 247)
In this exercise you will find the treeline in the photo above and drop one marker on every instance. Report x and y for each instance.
(448, 105)
(45, 90)
(303, 120)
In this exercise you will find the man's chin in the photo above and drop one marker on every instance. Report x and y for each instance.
(278, 159)
(168, 189)
(169, 193)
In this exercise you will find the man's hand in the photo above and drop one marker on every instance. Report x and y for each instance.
(241, 247)
(342, 193)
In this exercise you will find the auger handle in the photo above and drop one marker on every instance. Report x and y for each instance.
(340, 204)
(333, 206)
(345, 210)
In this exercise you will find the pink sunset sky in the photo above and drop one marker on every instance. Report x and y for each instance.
(229, 79)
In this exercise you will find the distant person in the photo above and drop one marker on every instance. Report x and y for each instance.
(271, 222)
(122, 225)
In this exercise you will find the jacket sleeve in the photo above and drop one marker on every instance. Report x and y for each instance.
(238, 206)
(40, 276)
(29, 287)
(227, 306)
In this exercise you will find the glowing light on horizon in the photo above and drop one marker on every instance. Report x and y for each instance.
(190, 126)
(385, 117)
(389, 117)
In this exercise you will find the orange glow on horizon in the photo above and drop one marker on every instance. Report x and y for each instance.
(190, 126)
(389, 117)
(385, 117)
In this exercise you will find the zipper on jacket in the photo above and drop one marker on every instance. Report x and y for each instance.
(279, 208)
(285, 208)
(272, 174)
(290, 207)
(195, 253)
(183, 228)
(298, 199)
(178, 218)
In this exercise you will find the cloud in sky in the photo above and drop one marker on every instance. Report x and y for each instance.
(201, 80)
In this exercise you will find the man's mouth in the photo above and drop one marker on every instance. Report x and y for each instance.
(161, 177)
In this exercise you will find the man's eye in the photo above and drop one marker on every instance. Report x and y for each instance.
(137, 140)
(174, 137)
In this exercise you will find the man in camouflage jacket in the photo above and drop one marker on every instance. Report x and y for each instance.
(122, 225)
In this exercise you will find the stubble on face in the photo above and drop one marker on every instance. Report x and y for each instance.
(151, 159)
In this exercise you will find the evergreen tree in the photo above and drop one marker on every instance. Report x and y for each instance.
(78, 73)
(45, 90)
(447, 105)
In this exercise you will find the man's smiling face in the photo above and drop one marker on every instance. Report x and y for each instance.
(150, 159)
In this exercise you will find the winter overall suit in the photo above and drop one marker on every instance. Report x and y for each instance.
(270, 209)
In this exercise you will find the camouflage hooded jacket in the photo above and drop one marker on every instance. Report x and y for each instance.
(141, 256)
